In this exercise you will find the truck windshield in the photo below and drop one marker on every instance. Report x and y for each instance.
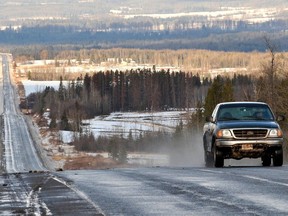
(228, 112)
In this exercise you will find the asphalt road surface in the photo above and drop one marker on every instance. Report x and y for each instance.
(29, 187)
(237, 190)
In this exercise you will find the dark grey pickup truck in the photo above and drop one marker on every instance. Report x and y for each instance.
(242, 130)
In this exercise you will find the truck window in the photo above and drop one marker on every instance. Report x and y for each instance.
(244, 112)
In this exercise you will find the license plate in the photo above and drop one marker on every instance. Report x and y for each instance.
(247, 147)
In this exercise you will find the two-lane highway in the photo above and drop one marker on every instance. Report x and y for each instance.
(20, 153)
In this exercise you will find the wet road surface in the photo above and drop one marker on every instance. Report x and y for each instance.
(41, 194)
(237, 190)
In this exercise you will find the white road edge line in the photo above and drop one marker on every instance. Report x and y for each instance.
(266, 180)
(80, 193)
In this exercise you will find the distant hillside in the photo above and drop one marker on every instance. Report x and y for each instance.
(165, 24)
(22, 11)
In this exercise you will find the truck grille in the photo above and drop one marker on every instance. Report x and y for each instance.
(250, 133)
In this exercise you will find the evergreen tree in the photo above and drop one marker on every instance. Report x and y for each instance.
(221, 90)
(87, 85)
(61, 90)
(64, 124)
(196, 121)
(53, 123)
(79, 86)
(113, 148)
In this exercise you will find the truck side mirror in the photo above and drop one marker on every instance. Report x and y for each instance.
(209, 119)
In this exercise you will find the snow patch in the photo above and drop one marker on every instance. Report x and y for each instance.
(38, 86)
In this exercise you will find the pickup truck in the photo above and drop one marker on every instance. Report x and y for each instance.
(242, 130)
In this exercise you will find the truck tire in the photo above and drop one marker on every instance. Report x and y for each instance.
(278, 158)
(266, 160)
(208, 156)
(218, 158)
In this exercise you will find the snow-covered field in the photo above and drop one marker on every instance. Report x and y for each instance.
(252, 15)
(131, 123)
(136, 123)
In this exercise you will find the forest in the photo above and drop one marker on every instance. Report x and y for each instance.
(224, 36)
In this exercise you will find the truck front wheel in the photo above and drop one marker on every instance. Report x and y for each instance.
(266, 160)
(218, 158)
(278, 158)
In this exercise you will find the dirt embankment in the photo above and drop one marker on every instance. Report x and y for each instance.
(60, 156)
(89, 162)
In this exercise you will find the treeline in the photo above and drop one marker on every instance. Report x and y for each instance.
(184, 58)
(246, 39)
(134, 90)
(111, 91)
(200, 61)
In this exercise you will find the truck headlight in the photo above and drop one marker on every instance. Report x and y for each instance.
(224, 133)
(275, 133)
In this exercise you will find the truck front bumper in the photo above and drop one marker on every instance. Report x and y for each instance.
(239, 149)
